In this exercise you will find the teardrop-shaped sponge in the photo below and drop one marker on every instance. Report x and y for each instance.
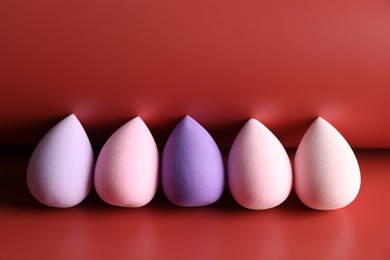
(259, 169)
(192, 166)
(326, 171)
(126, 172)
(60, 170)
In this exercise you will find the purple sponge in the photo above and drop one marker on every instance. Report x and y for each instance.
(192, 166)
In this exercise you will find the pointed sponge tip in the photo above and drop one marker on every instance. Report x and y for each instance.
(326, 171)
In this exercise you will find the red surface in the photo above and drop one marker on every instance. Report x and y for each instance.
(284, 62)
(95, 230)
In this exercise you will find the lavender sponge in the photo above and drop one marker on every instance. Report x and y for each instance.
(192, 166)
(60, 170)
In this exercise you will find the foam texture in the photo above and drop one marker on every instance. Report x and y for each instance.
(192, 166)
(60, 170)
(259, 169)
(127, 168)
(327, 174)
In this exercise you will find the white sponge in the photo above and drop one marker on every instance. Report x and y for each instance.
(327, 174)
(259, 170)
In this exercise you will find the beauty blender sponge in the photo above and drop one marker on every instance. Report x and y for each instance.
(259, 169)
(326, 171)
(192, 172)
(127, 168)
(60, 170)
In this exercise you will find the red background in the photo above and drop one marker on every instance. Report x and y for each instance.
(222, 62)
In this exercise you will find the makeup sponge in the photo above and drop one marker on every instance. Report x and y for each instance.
(60, 170)
(259, 169)
(192, 166)
(126, 172)
(327, 174)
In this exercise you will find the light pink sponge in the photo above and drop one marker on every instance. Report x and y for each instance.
(60, 170)
(259, 170)
(126, 172)
(327, 174)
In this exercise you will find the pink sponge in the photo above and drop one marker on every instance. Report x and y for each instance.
(60, 170)
(126, 172)
(327, 174)
(259, 170)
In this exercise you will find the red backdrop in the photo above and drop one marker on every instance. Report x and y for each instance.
(282, 62)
